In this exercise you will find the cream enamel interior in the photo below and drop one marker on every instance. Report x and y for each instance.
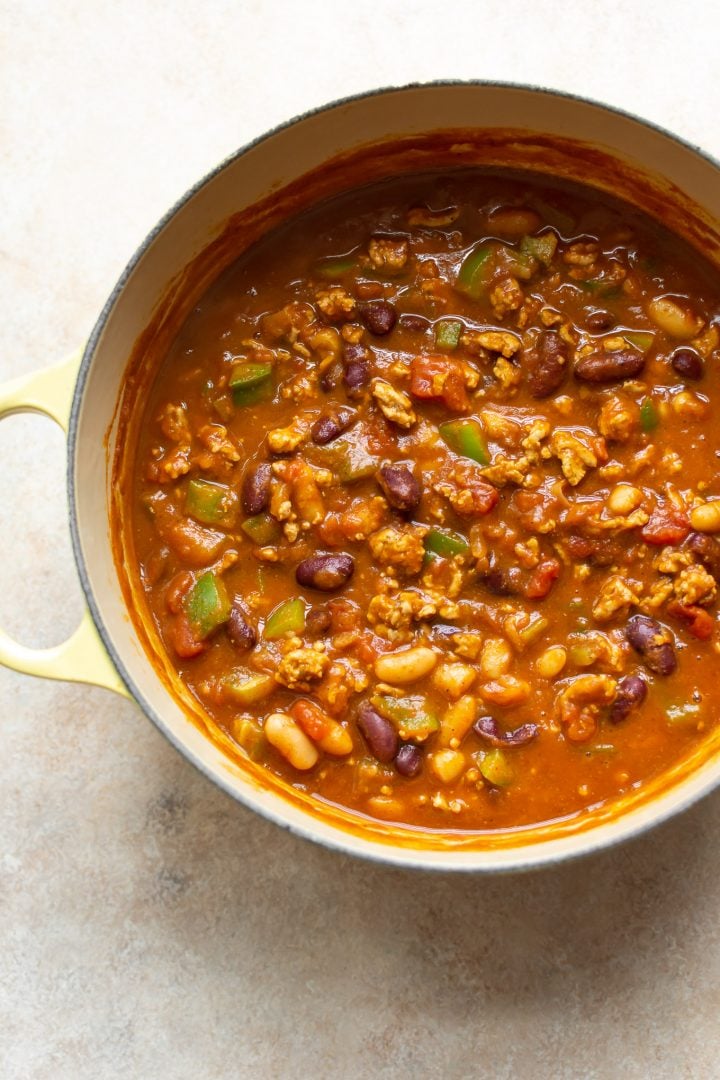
(280, 158)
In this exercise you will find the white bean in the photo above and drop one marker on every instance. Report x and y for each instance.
(495, 658)
(550, 663)
(283, 733)
(676, 320)
(706, 517)
(407, 666)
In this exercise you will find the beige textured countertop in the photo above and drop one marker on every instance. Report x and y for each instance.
(150, 927)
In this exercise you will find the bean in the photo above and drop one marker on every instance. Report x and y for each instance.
(690, 405)
(487, 728)
(550, 663)
(256, 488)
(676, 319)
(496, 658)
(283, 733)
(623, 499)
(500, 582)
(631, 692)
(357, 370)
(406, 666)
(331, 377)
(687, 363)
(654, 642)
(325, 571)
(379, 316)
(240, 631)
(318, 621)
(707, 550)
(417, 323)
(401, 486)
(597, 321)
(408, 760)
(331, 424)
(549, 364)
(602, 367)
(322, 728)
(513, 221)
(378, 732)
(706, 517)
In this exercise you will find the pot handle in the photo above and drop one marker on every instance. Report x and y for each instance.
(82, 658)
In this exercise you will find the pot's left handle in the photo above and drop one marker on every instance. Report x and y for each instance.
(82, 658)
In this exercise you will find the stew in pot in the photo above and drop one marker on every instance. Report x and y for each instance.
(425, 500)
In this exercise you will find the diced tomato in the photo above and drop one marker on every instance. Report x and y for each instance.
(314, 722)
(175, 593)
(700, 623)
(542, 578)
(183, 640)
(439, 378)
(667, 525)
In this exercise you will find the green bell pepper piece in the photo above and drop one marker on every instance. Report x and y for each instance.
(262, 529)
(247, 687)
(649, 418)
(446, 544)
(641, 339)
(541, 247)
(495, 768)
(466, 437)
(287, 618)
(251, 382)
(249, 374)
(447, 334)
(224, 407)
(212, 503)
(335, 266)
(608, 289)
(475, 271)
(207, 604)
(409, 715)
(349, 461)
(250, 735)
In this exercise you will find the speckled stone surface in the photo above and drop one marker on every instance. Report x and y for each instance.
(149, 926)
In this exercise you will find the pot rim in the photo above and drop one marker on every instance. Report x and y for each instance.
(530, 856)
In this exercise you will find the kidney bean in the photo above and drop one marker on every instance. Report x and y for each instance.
(408, 760)
(602, 367)
(256, 488)
(401, 486)
(331, 377)
(654, 642)
(239, 629)
(378, 732)
(631, 692)
(487, 728)
(597, 321)
(687, 363)
(417, 323)
(548, 364)
(318, 621)
(707, 550)
(357, 369)
(331, 424)
(379, 316)
(325, 572)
